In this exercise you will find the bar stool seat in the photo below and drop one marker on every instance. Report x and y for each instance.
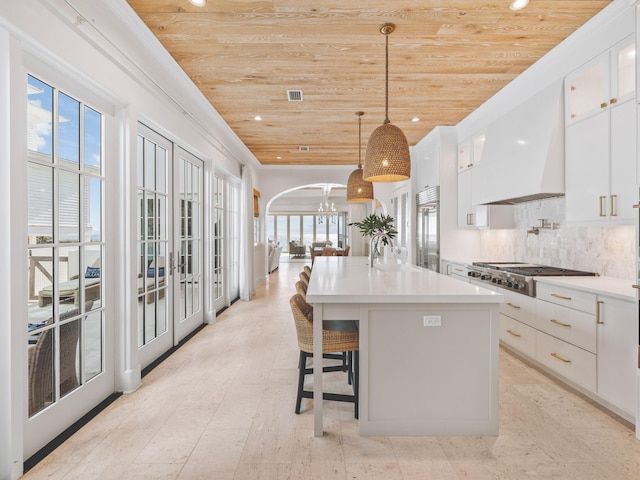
(343, 337)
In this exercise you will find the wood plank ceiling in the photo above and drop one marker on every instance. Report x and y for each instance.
(446, 57)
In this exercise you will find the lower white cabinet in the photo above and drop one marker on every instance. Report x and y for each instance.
(518, 335)
(617, 352)
(573, 363)
(589, 339)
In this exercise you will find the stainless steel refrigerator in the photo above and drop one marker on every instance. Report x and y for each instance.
(428, 229)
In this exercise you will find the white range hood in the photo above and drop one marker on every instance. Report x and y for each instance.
(523, 155)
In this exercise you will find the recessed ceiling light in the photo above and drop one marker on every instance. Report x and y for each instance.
(198, 3)
(257, 118)
(278, 158)
(518, 4)
(415, 119)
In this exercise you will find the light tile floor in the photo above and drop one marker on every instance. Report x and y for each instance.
(222, 407)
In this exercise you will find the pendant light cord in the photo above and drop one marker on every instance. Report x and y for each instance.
(386, 79)
(359, 139)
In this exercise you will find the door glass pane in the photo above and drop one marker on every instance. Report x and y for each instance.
(93, 196)
(69, 365)
(69, 206)
(41, 370)
(626, 70)
(586, 90)
(39, 120)
(40, 199)
(93, 345)
(92, 141)
(153, 238)
(69, 131)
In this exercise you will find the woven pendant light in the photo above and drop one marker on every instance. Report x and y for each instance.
(387, 158)
(358, 189)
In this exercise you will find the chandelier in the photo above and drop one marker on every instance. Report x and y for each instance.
(327, 211)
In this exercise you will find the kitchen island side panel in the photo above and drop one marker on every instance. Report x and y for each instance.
(429, 380)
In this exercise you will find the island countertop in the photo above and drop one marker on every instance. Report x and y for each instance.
(350, 279)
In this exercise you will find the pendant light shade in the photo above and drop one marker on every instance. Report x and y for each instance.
(358, 189)
(387, 158)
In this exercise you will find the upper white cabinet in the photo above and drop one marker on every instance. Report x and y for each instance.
(605, 81)
(470, 152)
(427, 161)
(600, 158)
(472, 216)
(601, 167)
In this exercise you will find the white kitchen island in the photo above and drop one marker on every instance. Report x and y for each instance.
(428, 346)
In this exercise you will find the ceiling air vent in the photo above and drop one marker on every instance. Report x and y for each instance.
(294, 95)
(303, 149)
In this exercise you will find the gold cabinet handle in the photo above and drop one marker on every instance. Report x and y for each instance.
(513, 333)
(613, 202)
(602, 214)
(598, 319)
(613, 100)
(555, 355)
(558, 322)
(469, 218)
(637, 205)
(603, 105)
(635, 286)
(512, 305)
(561, 297)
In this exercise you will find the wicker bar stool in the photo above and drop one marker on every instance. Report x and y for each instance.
(343, 337)
(301, 288)
(304, 277)
(307, 270)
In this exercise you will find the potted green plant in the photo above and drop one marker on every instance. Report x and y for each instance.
(372, 224)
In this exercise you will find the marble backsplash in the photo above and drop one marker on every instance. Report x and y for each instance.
(608, 251)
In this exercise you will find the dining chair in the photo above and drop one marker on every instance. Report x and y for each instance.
(329, 251)
(337, 336)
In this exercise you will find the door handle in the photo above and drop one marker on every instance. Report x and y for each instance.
(614, 202)
(602, 214)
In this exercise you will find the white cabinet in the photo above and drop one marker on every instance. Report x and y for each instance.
(517, 315)
(617, 352)
(470, 151)
(427, 162)
(566, 333)
(479, 216)
(601, 167)
(601, 119)
(606, 80)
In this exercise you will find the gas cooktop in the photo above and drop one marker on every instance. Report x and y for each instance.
(518, 276)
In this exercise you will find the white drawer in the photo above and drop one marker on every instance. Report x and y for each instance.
(573, 326)
(571, 362)
(517, 335)
(518, 306)
(566, 296)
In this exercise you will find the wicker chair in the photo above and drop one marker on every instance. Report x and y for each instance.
(301, 288)
(343, 337)
(329, 252)
(41, 362)
(307, 270)
(304, 277)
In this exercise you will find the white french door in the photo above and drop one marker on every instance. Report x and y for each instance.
(170, 247)
(154, 279)
(187, 261)
(68, 338)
